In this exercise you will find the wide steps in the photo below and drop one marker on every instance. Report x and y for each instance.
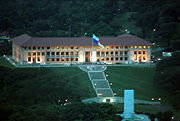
(104, 92)
(101, 84)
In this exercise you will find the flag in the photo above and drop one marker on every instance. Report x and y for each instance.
(97, 41)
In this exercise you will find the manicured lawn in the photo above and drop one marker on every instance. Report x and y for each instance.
(76, 74)
(5, 63)
(139, 79)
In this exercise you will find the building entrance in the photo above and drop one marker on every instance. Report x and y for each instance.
(87, 56)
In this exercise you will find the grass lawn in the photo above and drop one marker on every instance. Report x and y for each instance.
(76, 74)
(5, 63)
(139, 79)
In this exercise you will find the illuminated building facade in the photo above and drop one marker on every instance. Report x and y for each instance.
(126, 48)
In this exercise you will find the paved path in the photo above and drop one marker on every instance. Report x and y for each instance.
(98, 79)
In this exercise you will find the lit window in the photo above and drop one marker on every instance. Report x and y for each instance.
(53, 47)
(144, 46)
(148, 46)
(135, 46)
(140, 46)
(76, 53)
(62, 48)
(131, 46)
(107, 47)
(57, 47)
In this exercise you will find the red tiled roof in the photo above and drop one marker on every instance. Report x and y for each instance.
(125, 39)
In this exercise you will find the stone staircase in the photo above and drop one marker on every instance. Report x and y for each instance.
(98, 80)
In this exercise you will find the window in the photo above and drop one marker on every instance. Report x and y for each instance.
(131, 46)
(135, 52)
(38, 53)
(135, 46)
(140, 46)
(67, 59)
(72, 47)
(48, 47)
(25, 48)
(112, 47)
(116, 52)
(57, 59)
(29, 48)
(77, 47)
(67, 53)
(62, 59)
(125, 52)
(126, 47)
(62, 53)
(111, 58)
(121, 58)
(72, 53)
(57, 47)
(43, 53)
(144, 58)
(39, 48)
(29, 53)
(29, 58)
(144, 46)
(102, 53)
(102, 59)
(121, 52)
(125, 58)
(76, 59)
(111, 53)
(107, 53)
(57, 53)
(38, 59)
(62, 48)
(34, 48)
(43, 48)
(53, 59)
(34, 53)
(121, 47)
(48, 53)
(139, 52)
(144, 52)
(107, 47)
(98, 53)
(117, 47)
(53, 47)
(107, 59)
(52, 53)
(76, 53)
(72, 59)
(117, 59)
(48, 59)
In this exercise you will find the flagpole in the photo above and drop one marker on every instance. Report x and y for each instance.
(92, 52)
